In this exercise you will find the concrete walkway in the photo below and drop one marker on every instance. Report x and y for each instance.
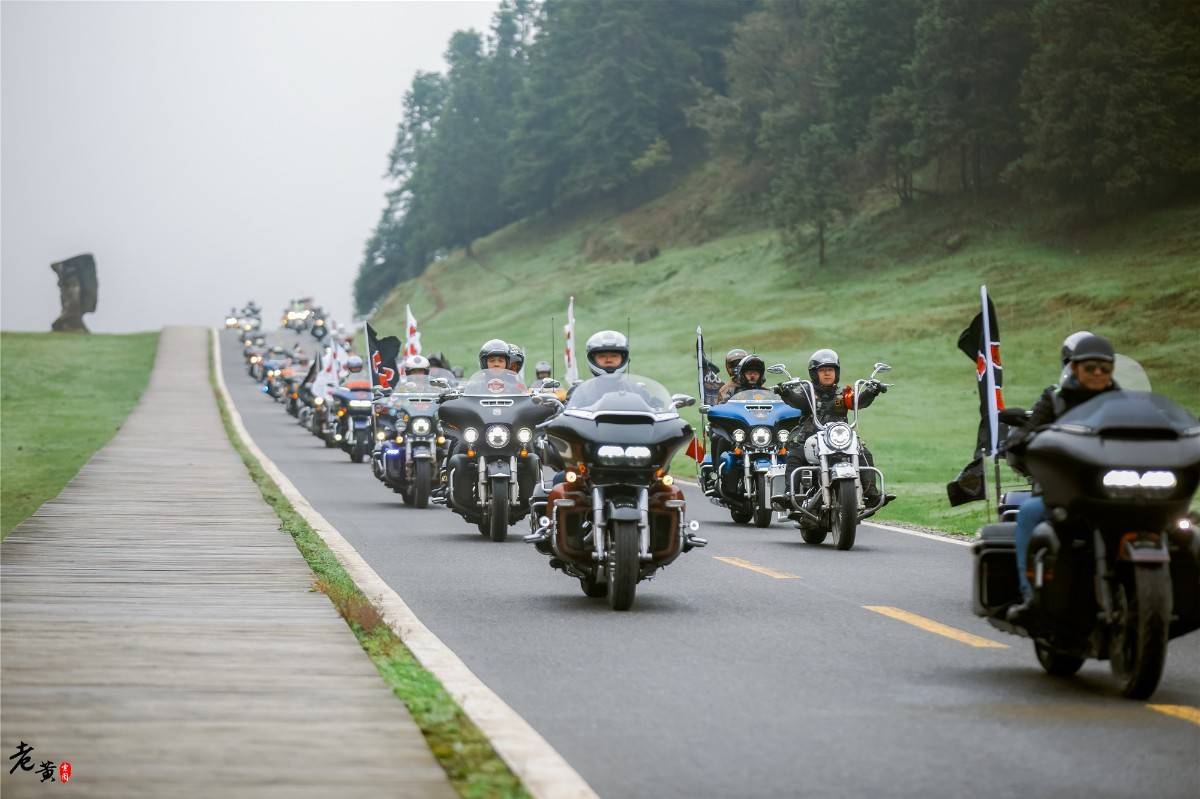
(159, 632)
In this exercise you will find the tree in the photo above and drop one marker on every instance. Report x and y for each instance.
(809, 186)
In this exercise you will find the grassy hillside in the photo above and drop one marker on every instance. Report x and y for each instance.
(893, 291)
(64, 396)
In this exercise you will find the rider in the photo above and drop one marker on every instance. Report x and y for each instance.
(416, 365)
(542, 370)
(1068, 349)
(607, 353)
(749, 373)
(1091, 373)
(833, 403)
(494, 354)
(732, 359)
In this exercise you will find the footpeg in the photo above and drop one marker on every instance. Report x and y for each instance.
(694, 542)
(536, 538)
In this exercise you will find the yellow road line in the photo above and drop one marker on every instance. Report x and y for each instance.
(929, 625)
(1179, 711)
(754, 567)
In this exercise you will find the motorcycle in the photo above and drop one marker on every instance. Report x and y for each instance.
(753, 429)
(493, 471)
(351, 419)
(407, 459)
(834, 469)
(1116, 568)
(616, 517)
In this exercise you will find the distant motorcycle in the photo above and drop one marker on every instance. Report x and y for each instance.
(834, 469)
(753, 427)
(351, 411)
(1116, 569)
(407, 459)
(492, 475)
(616, 517)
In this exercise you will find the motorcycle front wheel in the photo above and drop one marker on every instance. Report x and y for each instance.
(1138, 651)
(622, 565)
(814, 537)
(498, 519)
(1056, 663)
(762, 508)
(592, 587)
(845, 515)
(422, 482)
(741, 516)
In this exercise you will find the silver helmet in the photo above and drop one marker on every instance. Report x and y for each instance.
(607, 341)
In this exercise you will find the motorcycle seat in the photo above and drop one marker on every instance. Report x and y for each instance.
(1002, 532)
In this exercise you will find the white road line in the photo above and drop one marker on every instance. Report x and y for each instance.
(544, 772)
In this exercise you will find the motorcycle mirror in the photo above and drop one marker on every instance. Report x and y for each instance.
(777, 369)
(683, 400)
(551, 383)
(882, 367)
(439, 382)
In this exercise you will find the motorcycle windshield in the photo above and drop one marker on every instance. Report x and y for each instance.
(416, 385)
(1129, 411)
(493, 383)
(1127, 372)
(622, 394)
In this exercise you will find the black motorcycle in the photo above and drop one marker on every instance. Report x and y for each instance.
(351, 411)
(1116, 569)
(493, 471)
(616, 517)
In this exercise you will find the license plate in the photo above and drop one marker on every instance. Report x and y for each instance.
(777, 471)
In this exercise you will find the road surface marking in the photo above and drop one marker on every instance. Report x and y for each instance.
(754, 567)
(543, 771)
(929, 625)
(1178, 711)
(932, 537)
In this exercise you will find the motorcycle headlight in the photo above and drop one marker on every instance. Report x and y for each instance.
(360, 403)
(739, 435)
(1127, 483)
(318, 400)
(760, 436)
(380, 436)
(420, 426)
(784, 436)
(613, 455)
(470, 435)
(497, 436)
(839, 436)
(524, 435)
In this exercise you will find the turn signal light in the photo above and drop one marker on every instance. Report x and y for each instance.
(341, 412)
(470, 453)
(572, 477)
(738, 452)
(668, 480)
(524, 453)
(783, 452)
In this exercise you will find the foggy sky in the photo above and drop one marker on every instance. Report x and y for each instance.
(206, 153)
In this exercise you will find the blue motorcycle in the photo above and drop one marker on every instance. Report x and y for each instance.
(750, 435)
(407, 455)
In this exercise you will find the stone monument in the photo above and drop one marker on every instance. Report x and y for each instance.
(77, 288)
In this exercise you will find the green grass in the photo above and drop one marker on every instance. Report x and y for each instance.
(892, 292)
(62, 397)
(474, 768)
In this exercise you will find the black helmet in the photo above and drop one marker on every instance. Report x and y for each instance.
(1069, 343)
(733, 358)
(825, 357)
(1093, 348)
(542, 366)
(492, 347)
(516, 357)
(751, 362)
(607, 341)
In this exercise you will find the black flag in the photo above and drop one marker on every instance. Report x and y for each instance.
(969, 485)
(383, 352)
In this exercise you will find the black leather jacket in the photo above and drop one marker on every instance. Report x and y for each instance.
(831, 405)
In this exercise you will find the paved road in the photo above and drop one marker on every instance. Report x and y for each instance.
(724, 681)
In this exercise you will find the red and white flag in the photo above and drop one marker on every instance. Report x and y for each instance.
(572, 370)
(412, 336)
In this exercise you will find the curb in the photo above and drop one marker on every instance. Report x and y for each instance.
(542, 770)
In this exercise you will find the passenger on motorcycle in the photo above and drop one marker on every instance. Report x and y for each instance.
(416, 365)
(1091, 373)
(833, 403)
(516, 358)
(732, 359)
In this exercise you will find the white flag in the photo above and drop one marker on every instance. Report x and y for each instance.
(412, 336)
(572, 371)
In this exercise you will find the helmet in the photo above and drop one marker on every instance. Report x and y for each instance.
(542, 366)
(751, 362)
(1093, 348)
(825, 357)
(354, 364)
(415, 362)
(607, 341)
(278, 350)
(733, 358)
(516, 357)
(1068, 345)
(491, 347)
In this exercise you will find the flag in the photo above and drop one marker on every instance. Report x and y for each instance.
(572, 370)
(708, 374)
(383, 352)
(981, 343)
(412, 336)
(327, 378)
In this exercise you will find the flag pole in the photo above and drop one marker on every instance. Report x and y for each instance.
(989, 373)
(370, 378)
(553, 345)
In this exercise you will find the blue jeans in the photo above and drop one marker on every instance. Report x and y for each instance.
(1031, 513)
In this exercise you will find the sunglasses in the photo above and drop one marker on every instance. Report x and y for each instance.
(1096, 367)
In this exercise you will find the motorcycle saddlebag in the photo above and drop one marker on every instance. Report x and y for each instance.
(996, 584)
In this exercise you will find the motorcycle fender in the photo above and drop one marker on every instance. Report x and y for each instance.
(361, 422)
(623, 513)
(842, 471)
(498, 468)
(1144, 555)
(420, 454)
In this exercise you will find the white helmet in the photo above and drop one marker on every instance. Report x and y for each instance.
(414, 362)
(354, 364)
(607, 341)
